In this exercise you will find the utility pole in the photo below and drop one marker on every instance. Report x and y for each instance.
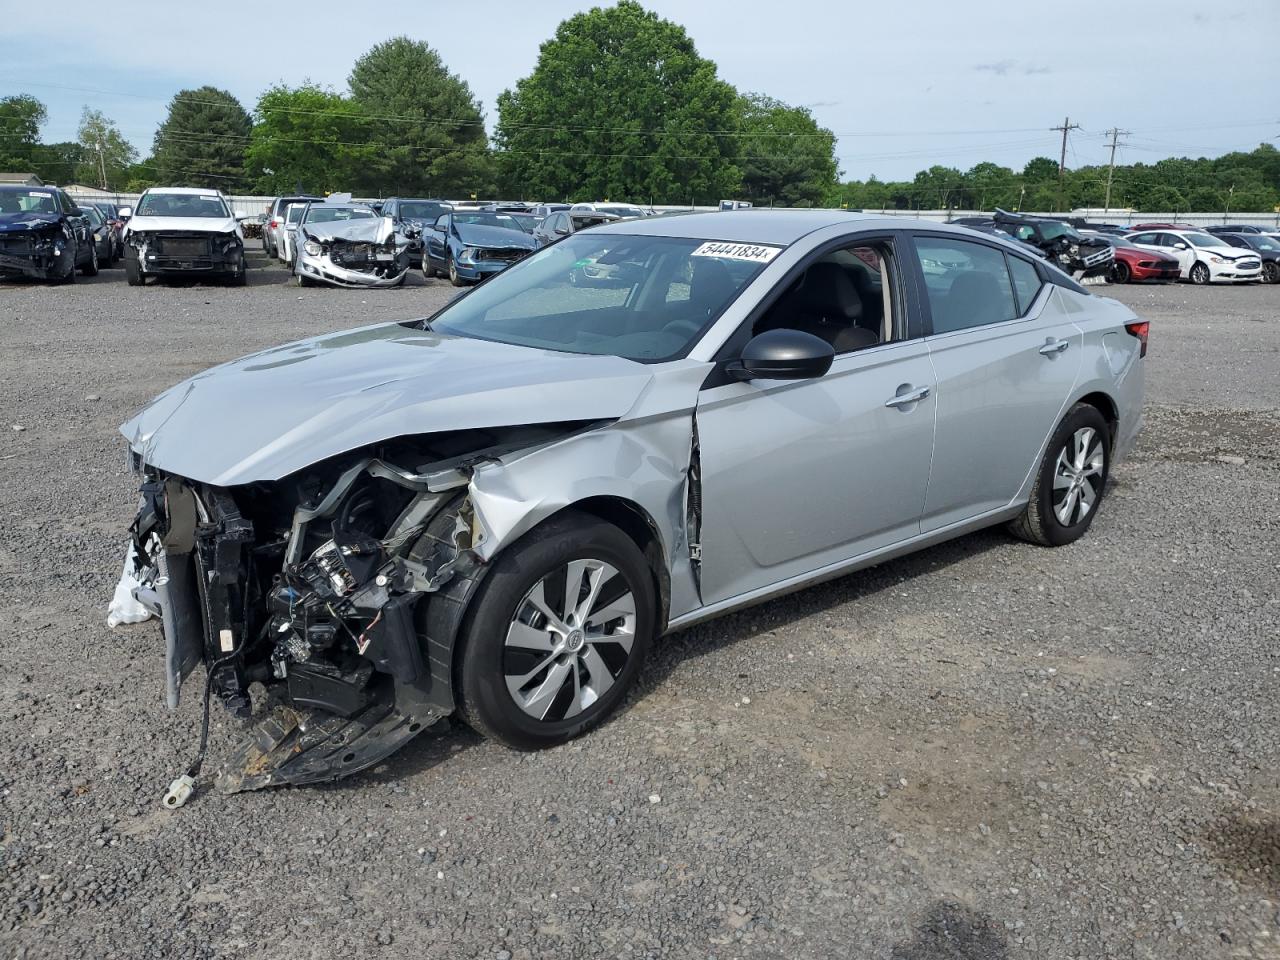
(1115, 133)
(1226, 214)
(1067, 127)
(102, 166)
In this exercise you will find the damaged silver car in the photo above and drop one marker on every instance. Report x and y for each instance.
(495, 511)
(350, 245)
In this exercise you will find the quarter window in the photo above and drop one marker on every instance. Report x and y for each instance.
(1026, 283)
(968, 284)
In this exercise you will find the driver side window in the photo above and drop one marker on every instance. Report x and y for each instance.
(844, 297)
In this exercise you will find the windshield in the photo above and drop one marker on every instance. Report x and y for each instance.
(1052, 230)
(94, 215)
(1204, 240)
(27, 201)
(422, 210)
(488, 220)
(182, 205)
(643, 298)
(322, 213)
(1263, 243)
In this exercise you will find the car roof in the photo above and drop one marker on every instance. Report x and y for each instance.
(766, 226)
(189, 191)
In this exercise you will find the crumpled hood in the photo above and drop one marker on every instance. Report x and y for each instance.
(376, 230)
(272, 413)
(30, 220)
(138, 224)
(479, 235)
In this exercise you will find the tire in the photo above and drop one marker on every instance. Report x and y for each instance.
(1271, 272)
(70, 275)
(90, 269)
(506, 637)
(133, 272)
(238, 279)
(1199, 274)
(456, 280)
(1119, 272)
(1053, 516)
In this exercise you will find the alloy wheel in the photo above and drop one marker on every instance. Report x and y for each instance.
(1077, 476)
(1200, 274)
(1271, 271)
(569, 640)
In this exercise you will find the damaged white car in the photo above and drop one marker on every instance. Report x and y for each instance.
(350, 245)
(495, 511)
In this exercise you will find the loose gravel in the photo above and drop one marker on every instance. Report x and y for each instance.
(987, 750)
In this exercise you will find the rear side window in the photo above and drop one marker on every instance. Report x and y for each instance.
(968, 284)
(1026, 283)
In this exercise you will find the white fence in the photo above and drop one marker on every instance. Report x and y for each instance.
(251, 205)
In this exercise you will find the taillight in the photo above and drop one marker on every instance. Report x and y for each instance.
(274, 223)
(1140, 329)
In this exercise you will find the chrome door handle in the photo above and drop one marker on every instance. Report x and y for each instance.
(911, 396)
(1054, 346)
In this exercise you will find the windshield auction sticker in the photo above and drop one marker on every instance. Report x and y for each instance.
(751, 252)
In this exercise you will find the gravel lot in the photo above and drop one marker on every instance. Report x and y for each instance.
(989, 750)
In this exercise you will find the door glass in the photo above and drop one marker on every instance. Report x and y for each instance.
(968, 283)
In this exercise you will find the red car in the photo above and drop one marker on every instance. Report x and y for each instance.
(1163, 226)
(1133, 264)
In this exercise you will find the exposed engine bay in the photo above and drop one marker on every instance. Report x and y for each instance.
(37, 245)
(355, 253)
(304, 597)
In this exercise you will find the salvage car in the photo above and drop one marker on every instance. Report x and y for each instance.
(416, 213)
(103, 237)
(566, 222)
(111, 213)
(183, 232)
(469, 245)
(1063, 244)
(1264, 245)
(497, 510)
(1133, 264)
(1202, 257)
(44, 235)
(350, 245)
(273, 230)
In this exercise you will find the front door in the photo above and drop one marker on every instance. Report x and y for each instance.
(799, 475)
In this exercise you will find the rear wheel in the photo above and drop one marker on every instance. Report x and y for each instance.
(556, 633)
(1119, 272)
(1199, 273)
(1071, 481)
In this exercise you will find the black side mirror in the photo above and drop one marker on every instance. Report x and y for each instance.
(783, 355)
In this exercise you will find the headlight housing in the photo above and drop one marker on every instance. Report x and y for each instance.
(468, 255)
(1217, 259)
(312, 248)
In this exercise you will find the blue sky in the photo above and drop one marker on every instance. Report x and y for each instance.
(905, 84)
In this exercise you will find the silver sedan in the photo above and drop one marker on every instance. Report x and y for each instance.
(497, 510)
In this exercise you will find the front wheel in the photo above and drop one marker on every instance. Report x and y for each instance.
(1070, 482)
(556, 633)
(456, 280)
(91, 268)
(1199, 274)
(133, 272)
(1271, 272)
(1119, 272)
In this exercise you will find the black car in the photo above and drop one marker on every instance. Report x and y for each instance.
(103, 237)
(1267, 247)
(411, 211)
(565, 222)
(1063, 245)
(44, 235)
(1238, 228)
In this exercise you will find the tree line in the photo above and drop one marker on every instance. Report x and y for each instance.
(620, 105)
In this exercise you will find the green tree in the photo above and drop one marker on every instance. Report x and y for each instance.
(786, 158)
(311, 139)
(425, 121)
(103, 151)
(57, 162)
(1040, 169)
(21, 117)
(201, 142)
(938, 188)
(620, 106)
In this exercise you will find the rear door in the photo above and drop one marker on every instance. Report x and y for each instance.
(1005, 356)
